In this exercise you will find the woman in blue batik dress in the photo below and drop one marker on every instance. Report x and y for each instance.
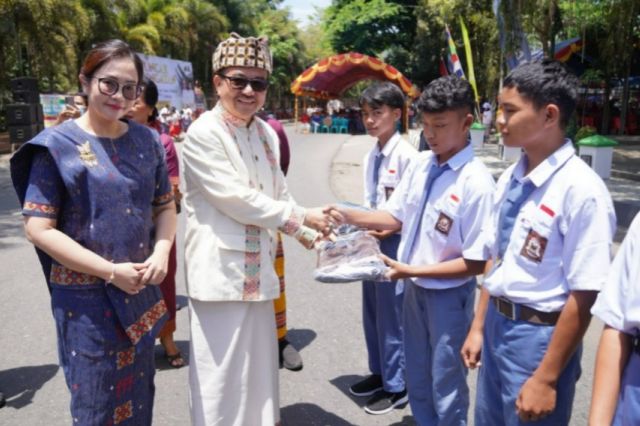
(97, 205)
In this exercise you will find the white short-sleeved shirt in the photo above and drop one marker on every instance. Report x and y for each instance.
(456, 218)
(561, 239)
(398, 153)
(618, 304)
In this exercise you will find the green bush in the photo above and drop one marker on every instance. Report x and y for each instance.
(585, 132)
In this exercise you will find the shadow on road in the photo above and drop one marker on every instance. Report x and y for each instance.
(20, 385)
(406, 421)
(344, 382)
(301, 337)
(310, 415)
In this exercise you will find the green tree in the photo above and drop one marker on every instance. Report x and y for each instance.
(41, 38)
(369, 26)
(314, 39)
(288, 53)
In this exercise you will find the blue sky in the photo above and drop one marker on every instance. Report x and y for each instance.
(300, 9)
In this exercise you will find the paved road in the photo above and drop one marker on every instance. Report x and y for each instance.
(324, 319)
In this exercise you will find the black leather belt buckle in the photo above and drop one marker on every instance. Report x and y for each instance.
(506, 308)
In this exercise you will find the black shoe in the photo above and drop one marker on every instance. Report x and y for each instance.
(382, 402)
(2, 400)
(368, 386)
(289, 357)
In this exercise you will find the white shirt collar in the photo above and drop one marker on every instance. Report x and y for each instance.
(547, 168)
(460, 158)
(389, 146)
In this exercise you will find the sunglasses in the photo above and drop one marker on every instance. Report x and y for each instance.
(240, 83)
(109, 86)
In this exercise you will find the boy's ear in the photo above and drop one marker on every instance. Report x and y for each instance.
(397, 113)
(552, 114)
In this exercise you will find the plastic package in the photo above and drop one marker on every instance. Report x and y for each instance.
(354, 256)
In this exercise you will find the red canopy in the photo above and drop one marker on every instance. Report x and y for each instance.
(334, 75)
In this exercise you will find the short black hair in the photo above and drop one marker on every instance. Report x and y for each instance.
(447, 94)
(384, 93)
(150, 93)
(546, 82)
(150, 98)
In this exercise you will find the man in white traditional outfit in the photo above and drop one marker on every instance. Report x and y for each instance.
(236, 200)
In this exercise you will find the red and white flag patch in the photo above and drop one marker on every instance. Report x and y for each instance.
(547, 210)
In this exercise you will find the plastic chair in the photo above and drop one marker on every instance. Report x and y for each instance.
(335, 125)
(344, 126)
(326, 124)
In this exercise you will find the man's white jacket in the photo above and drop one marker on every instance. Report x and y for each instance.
(236, 199)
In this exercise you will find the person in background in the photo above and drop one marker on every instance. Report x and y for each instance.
(418, 141)
(72, 111)
(200, 100)
(174, 119)
(163, 118)
(97, 205)
(385, 166)
(144, 112)
(288, 355)
(187, 118)
(487, 120)
(316, 121)
(616, 381)
(236, 200)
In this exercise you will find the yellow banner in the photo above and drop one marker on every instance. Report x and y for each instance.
(467, 49)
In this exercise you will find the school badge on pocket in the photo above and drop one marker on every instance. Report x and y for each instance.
(443, 224)
(534, 246)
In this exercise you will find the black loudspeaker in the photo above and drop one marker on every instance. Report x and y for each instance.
(26, 97)
(40, 113)
(25, 118)
(29, 84)
(23, 114)
(21, 134)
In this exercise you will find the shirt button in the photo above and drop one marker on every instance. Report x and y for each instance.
(126, 300)
(128, 211)
(256, 157)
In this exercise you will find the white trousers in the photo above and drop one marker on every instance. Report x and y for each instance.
(233, 364)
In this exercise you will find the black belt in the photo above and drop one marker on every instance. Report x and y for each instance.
(515, 312)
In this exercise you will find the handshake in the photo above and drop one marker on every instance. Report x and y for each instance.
(325, 219)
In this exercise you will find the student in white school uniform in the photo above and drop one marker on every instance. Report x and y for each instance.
(442, 204)
(384, 166)
(616, 382)
(554, 221)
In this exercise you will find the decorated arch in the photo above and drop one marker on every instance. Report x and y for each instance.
(334, 75)
(331, 77)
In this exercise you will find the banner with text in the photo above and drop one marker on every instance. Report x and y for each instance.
(174, 80)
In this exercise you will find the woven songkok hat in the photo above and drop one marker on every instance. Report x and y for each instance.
(236, 51)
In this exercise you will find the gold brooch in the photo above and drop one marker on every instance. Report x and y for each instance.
(86, 155)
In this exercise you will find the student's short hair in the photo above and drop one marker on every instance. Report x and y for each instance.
(546, 82)
(384, 93)
(448, 93)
